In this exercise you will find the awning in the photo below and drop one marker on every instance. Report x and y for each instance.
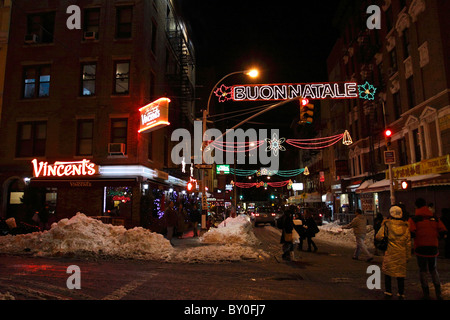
(364, 185)
(354, 185)
(417, 182)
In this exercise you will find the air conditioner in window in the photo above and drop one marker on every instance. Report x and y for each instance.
(115, 149)
(31, 38)
(90, 35)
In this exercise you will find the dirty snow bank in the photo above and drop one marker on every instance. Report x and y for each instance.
(82, 235)
(333, 232)
(237, 230)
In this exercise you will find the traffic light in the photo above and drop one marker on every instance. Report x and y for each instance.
(306, 111)
(405, 185)
(272, 196)
(387, 137)
(189, 186)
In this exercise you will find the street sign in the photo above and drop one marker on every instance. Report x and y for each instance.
(204, 202)
(203, 166)
(223, 168)
(389, 157)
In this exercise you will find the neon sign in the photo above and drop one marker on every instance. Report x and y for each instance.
(154, 115)
(284, 91)
(64, 169)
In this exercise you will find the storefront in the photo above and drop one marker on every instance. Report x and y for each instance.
(113, 193)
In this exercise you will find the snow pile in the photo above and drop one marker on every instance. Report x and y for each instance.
(82, 235)
(232, 231)
(334, 233)
(6, 296)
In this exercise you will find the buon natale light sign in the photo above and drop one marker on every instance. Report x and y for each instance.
(284, 91)
(154, 115)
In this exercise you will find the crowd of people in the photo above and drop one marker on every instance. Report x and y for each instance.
(403, 235)
(178, 220)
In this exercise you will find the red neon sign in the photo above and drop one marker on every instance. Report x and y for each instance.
(154, 115)
(64, 169)
(284, 91)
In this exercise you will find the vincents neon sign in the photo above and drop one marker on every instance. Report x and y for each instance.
(155, 115)
(284, 91)
(64, 169)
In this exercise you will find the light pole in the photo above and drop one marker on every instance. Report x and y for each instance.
(391, 180)
(253, 73)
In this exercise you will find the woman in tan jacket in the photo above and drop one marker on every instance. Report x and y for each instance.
(398, 251)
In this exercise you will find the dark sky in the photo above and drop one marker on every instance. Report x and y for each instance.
(288, 40)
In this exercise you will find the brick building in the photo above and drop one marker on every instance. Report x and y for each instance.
(407, 60)
(74, 95)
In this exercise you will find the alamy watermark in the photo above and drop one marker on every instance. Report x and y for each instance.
(213, 146)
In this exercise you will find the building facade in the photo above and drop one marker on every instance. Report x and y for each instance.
(407, 60)
(72, 97)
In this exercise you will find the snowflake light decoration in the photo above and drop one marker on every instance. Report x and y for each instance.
(224, 93)
(275, 144)
(367, 91)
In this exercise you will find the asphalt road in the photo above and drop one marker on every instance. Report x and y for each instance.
(328, 274)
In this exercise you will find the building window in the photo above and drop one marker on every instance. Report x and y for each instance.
(31, 139)
(406, 44)
(411, 92)
(92, 22)
(36, 82)
(393, 58)
(85, 137)
(416, 140)
(119, 130)
(88, 74)
(122, 77)
(124, 22)
(402, 152)
(42, 26)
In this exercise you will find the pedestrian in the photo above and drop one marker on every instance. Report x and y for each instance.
(398, 251)
(300, 228)
(171, 221)
(377, 222)
(426, 230)
(359, 226)
(286, 223)
(310, 230)
(181, 220)
(445, 218)
(195, 218)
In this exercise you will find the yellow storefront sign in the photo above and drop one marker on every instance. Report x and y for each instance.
(429, 166)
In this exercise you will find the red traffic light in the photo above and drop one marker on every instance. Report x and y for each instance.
(388, 133)
(304, 102)
(190, 186)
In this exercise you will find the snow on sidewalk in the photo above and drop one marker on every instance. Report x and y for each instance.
(82, 235)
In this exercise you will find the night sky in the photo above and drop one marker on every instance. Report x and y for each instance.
(288, 40)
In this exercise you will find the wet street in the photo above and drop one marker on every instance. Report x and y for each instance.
(329, 274)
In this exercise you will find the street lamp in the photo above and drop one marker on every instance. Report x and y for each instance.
(253, 73)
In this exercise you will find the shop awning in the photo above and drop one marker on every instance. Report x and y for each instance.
(364, 186)
(417, 182)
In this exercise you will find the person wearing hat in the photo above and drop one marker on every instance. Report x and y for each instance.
(426, 231)
(398, 251)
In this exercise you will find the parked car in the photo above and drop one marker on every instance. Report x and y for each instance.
(264, 215)
(318, 217)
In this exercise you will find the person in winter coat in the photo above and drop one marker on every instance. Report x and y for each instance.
(426, 230)
(445, 218)
(398, 251)
(286, 223)
(359, 226)
(310, 230)
(196, 218)
(171, 219)
(377, 222)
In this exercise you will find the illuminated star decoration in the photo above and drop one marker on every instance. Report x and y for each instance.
(275, 144)
(367, 91)
(224, 93)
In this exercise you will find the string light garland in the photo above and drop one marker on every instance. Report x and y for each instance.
(278, 184)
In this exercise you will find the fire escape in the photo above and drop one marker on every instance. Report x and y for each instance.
(180, 73)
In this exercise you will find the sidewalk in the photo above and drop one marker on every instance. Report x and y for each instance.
(188, 240)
